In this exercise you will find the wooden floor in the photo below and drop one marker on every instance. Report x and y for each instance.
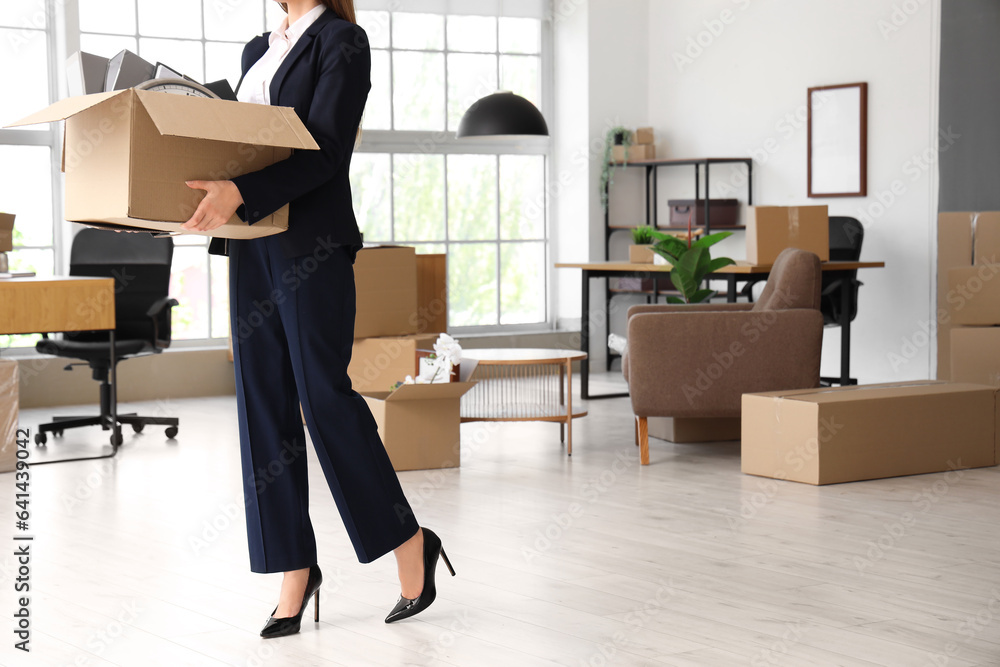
(583, 561)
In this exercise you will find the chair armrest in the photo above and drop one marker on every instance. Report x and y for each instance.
(688, 308)
(699, 364)
(160, 314)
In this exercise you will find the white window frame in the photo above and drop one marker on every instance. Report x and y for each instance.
(444, 142)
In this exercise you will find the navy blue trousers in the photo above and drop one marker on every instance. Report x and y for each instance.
(293, 328)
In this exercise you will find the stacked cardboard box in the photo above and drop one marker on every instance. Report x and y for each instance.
(8, 414)
(968, 313)
(402, 307)
(642, 148)
(771, 229)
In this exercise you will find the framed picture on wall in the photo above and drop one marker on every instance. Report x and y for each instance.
(837, 154)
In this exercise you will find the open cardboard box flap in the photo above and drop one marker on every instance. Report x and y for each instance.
(422, 392)
(195, 117)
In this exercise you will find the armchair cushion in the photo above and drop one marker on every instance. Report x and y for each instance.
(699, 364)
(794, 282)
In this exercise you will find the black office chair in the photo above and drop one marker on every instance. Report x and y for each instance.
(140, 266)
(846, 237)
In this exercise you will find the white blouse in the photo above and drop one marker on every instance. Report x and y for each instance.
(257, 82)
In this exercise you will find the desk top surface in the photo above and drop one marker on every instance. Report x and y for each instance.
(521, 355)
(739, 267)
(34, 280)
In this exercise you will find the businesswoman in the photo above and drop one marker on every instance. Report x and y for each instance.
(292, 303)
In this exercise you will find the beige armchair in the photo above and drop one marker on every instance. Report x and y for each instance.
(698, 360)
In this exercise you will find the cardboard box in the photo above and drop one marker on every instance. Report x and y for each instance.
(378, 363)
(643, 135)
(965, 238)
(846, 434)
(685, 429)
(385, 278)
(127, 155)
(8, 414)
(771, 229)
(419, 424)
(6, 232)
(974, 295)
(641, 254)
(635, 152)
(432, 293)
(975, 355)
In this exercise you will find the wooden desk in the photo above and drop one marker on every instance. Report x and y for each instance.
(62, 303)
(741, 271)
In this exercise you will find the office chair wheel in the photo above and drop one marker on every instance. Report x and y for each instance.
(58, 434)
(171, 432)
(116, 439)
(40, 439)
(138, 426)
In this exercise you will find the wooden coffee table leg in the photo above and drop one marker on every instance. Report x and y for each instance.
(569, 407)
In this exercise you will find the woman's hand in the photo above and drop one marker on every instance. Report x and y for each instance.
(222, 198)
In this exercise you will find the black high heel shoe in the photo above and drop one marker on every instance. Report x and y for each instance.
(289, 625)
(405, 607)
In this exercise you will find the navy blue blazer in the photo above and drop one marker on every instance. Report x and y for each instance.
(325, 78)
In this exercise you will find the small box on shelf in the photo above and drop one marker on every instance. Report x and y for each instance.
(643, 135)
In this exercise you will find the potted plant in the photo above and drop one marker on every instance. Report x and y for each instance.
(641, 252)
(691, 262)
(616, 136)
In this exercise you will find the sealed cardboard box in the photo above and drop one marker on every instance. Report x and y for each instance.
(432, 293)
(643, 135)
(641, 254)
(420, 424)
(974, 295)
(975, 355)
(6, 232)
(846, 434)
(378, 363)
(385, 279)
(8, 414)
(965, 238)
(636, 152)
(127, 155)
(771, 229)
(694, 429)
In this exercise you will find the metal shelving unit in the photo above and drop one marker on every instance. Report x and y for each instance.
(651, 194)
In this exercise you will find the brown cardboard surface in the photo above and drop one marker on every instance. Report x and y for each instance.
(378, 363)
(128, 153)
(843, 434)
(6, 232)
(432, 293)
(420, 424)
(640, 254)
(643, 135)
(975, 355)
(8, 414)
(974, 295)
(987, 238)
(683, 429)
(954, 250)
(771, 229)
(635, 152)
(386, 284)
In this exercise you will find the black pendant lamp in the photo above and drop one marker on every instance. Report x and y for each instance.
(502, 114)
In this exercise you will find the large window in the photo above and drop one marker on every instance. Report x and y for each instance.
(482, 202)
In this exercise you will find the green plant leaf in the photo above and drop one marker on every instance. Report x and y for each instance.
(702, 295)
(718, 263)
(675, 299)
(711, 239)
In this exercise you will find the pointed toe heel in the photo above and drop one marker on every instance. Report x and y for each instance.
(289, 625)
(406, 607)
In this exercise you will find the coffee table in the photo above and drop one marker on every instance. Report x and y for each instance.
(529, 384)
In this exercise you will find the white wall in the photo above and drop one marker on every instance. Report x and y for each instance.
(744, 92)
